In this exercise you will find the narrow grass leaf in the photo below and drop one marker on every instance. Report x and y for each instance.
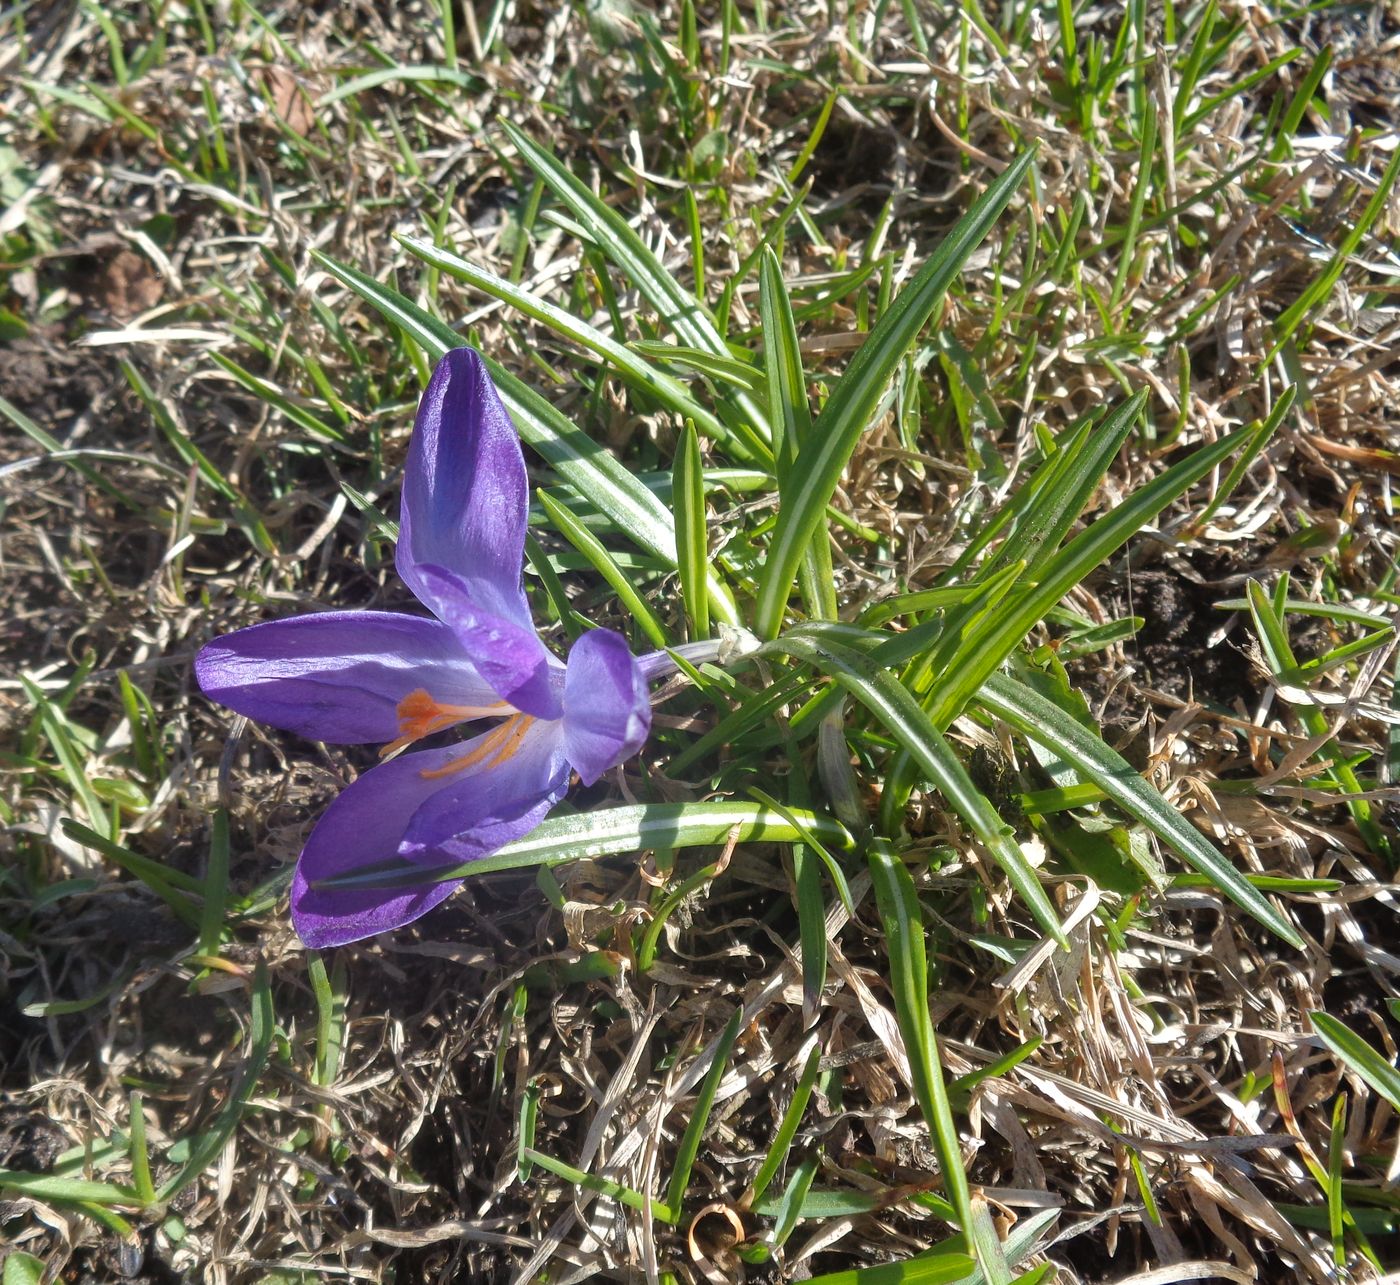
(987, 647)
(1034, 716)
(69, 756)
(631, 365)
(1316, 293)
(42, 1186)
(722, 370)
(787, 1128)
(1354, 1052)
(399, 72)
(567, 523)
(602, 1186)
(844, 419)
(689, 1146)
(608, 831)
(791, 421)
(897, 709)
(988, 1244)
(682, 312)
(902, 918)
(692, 531)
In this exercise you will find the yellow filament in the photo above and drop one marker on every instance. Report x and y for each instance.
(499, 744)
(420, 715)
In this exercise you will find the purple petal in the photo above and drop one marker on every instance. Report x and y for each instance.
(607, 709)
(339, 676)
(465, 493)
(508, 655)
(500, 786)
(364, 827)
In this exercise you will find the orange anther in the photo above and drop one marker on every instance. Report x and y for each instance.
(420, 715)
(498, 745)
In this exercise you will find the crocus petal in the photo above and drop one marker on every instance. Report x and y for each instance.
(508, 655)
(339, 676)
(465, 493)
(607, 711)
(502, 785)
(363, 827)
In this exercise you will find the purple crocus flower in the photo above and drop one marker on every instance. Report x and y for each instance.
(371, 676)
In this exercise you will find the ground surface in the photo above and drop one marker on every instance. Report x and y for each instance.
(204, 429)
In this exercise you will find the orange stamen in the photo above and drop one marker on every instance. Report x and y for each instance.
(420, 715)
(499, 744)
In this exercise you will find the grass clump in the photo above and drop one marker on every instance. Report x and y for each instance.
(1007, 386)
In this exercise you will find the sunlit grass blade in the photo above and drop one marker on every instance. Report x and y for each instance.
(988, 1244)
(69, 755)
(1318, 291)
(275, 397)
(814, 476)
(419, 74)
(791, 421)
(692, 531)
(722, 370)
(608, 831)
(577, 534)
(42, 1186)
(602, 1186)
(689, 1146)
(896, 708)
(1358, 1054)
(1034, 716)
(987, 647)
(632, 366)
(1263, 435)
(682, 312)
(902, 919)
(1271, 628)
(787, 1128)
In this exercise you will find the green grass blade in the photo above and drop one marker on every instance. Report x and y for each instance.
(1321, 288)
(682, 312)
(845, 417)
(791, 420)
(410, 74)
(881, 693)
(692, 531)
(588, 544)
(1042, 721)
(42, 1186)
(602, 1186)
(689, 1146)
(1354, 1052)
(787, 1128)
(986, 648)
(902, 919)
(69, 756)
(633, 367)
(609, 831)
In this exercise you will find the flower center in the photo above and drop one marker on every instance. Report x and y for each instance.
(498, 745)
(420, 715)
